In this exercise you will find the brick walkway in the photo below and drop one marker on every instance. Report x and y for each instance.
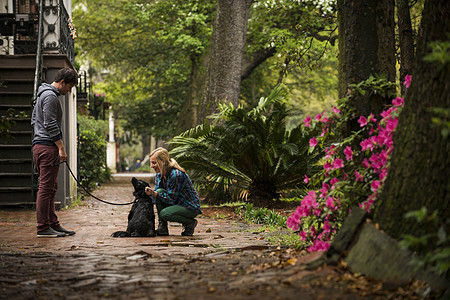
(225, 259)
(95, 222)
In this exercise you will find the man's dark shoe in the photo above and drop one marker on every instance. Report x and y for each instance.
(50, 233)
(189, 228)
(65, 231)
(162, 230)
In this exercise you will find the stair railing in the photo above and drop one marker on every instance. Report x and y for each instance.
(37, 83)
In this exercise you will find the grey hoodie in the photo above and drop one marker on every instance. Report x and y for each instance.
(47, 116)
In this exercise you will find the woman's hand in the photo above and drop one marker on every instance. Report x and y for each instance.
(150, 192)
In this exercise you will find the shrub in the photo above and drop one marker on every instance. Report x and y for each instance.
(92, 152)
(350, 175)
(248, 152)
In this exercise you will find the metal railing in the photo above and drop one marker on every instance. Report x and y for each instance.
(22, 24)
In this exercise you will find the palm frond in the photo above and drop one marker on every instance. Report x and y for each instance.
(247, 149)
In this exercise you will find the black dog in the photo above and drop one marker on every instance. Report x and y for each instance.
(141, 219)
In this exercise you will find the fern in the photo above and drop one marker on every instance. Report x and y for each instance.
(248, 153)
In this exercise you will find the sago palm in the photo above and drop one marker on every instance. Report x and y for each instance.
(248, 152)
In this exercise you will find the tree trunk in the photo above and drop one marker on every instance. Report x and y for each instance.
(189, 113)
(420, 164)
(226, 54)
(366, 47)
(405, 40)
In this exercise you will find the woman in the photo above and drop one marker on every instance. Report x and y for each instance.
(175, 196)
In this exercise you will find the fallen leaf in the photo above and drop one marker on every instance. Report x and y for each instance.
(292, 261)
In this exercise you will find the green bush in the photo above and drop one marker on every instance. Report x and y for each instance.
(433, 248)
(248, 152)
(92, 152)
(261, 216)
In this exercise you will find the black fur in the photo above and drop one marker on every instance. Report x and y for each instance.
(141, 219)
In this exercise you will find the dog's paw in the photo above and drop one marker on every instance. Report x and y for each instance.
(119, 234)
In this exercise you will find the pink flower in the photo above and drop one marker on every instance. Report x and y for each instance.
(407, 82)
(338, 163)
(324, 189)
(327, 166)
(371, 118)
(313, 142)
(303, 211)
(330, 202)
(362, 121)
(366, 144)
(319, 246)
(306, 180)
(366, 163)
(383, 173)
(358, 176)
(307, 121)
(318, 117)
(335, 110)
(331, 150)
(326, 227)
(333, 181)
(375, 185)
(303, 235)
(313, 230)
(291, 223)
(348, 153)
(399, 101)
(391, 124)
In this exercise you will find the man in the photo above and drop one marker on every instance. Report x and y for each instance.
(47, 146)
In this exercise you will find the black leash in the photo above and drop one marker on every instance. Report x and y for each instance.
(57, 162)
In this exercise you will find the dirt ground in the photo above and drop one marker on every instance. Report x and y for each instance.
(226, 258)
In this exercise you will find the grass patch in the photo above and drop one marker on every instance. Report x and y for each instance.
(261, 216)
(289, 239)
(78, 201)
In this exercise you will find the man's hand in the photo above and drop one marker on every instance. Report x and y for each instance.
(62, 150)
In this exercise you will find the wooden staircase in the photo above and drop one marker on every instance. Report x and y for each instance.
(16, 92)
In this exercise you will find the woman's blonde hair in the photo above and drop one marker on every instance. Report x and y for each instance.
(165, 163)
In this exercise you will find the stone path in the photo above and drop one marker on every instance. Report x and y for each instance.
(225, 258)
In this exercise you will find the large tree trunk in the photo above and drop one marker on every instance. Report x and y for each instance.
(189, 113)
(366, 47)
(406, 41)
(420, 164)
(226, 54)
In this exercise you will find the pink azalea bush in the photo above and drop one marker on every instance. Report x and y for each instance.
(350, 176)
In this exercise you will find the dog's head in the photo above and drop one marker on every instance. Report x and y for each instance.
(139, 187)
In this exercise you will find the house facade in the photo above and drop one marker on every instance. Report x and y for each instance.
(27, 59)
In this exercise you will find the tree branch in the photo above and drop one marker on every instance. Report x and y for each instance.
(250, 62)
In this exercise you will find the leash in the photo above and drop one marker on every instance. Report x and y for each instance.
(57, 162)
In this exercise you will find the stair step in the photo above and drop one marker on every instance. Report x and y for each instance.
(15, 160)
(15, 151)
(15, 189)
(17, 86)
(16, 165)
(16, 99)
(13, 197)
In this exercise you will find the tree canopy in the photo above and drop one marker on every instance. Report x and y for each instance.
(149, 49)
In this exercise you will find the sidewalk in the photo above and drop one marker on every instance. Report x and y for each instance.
(225, 259)
(95, 222)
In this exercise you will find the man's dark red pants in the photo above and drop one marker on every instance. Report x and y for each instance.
(43, 157)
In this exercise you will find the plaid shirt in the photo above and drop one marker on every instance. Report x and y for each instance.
(180, 190)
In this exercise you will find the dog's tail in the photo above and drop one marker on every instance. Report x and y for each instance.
(120, 234)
